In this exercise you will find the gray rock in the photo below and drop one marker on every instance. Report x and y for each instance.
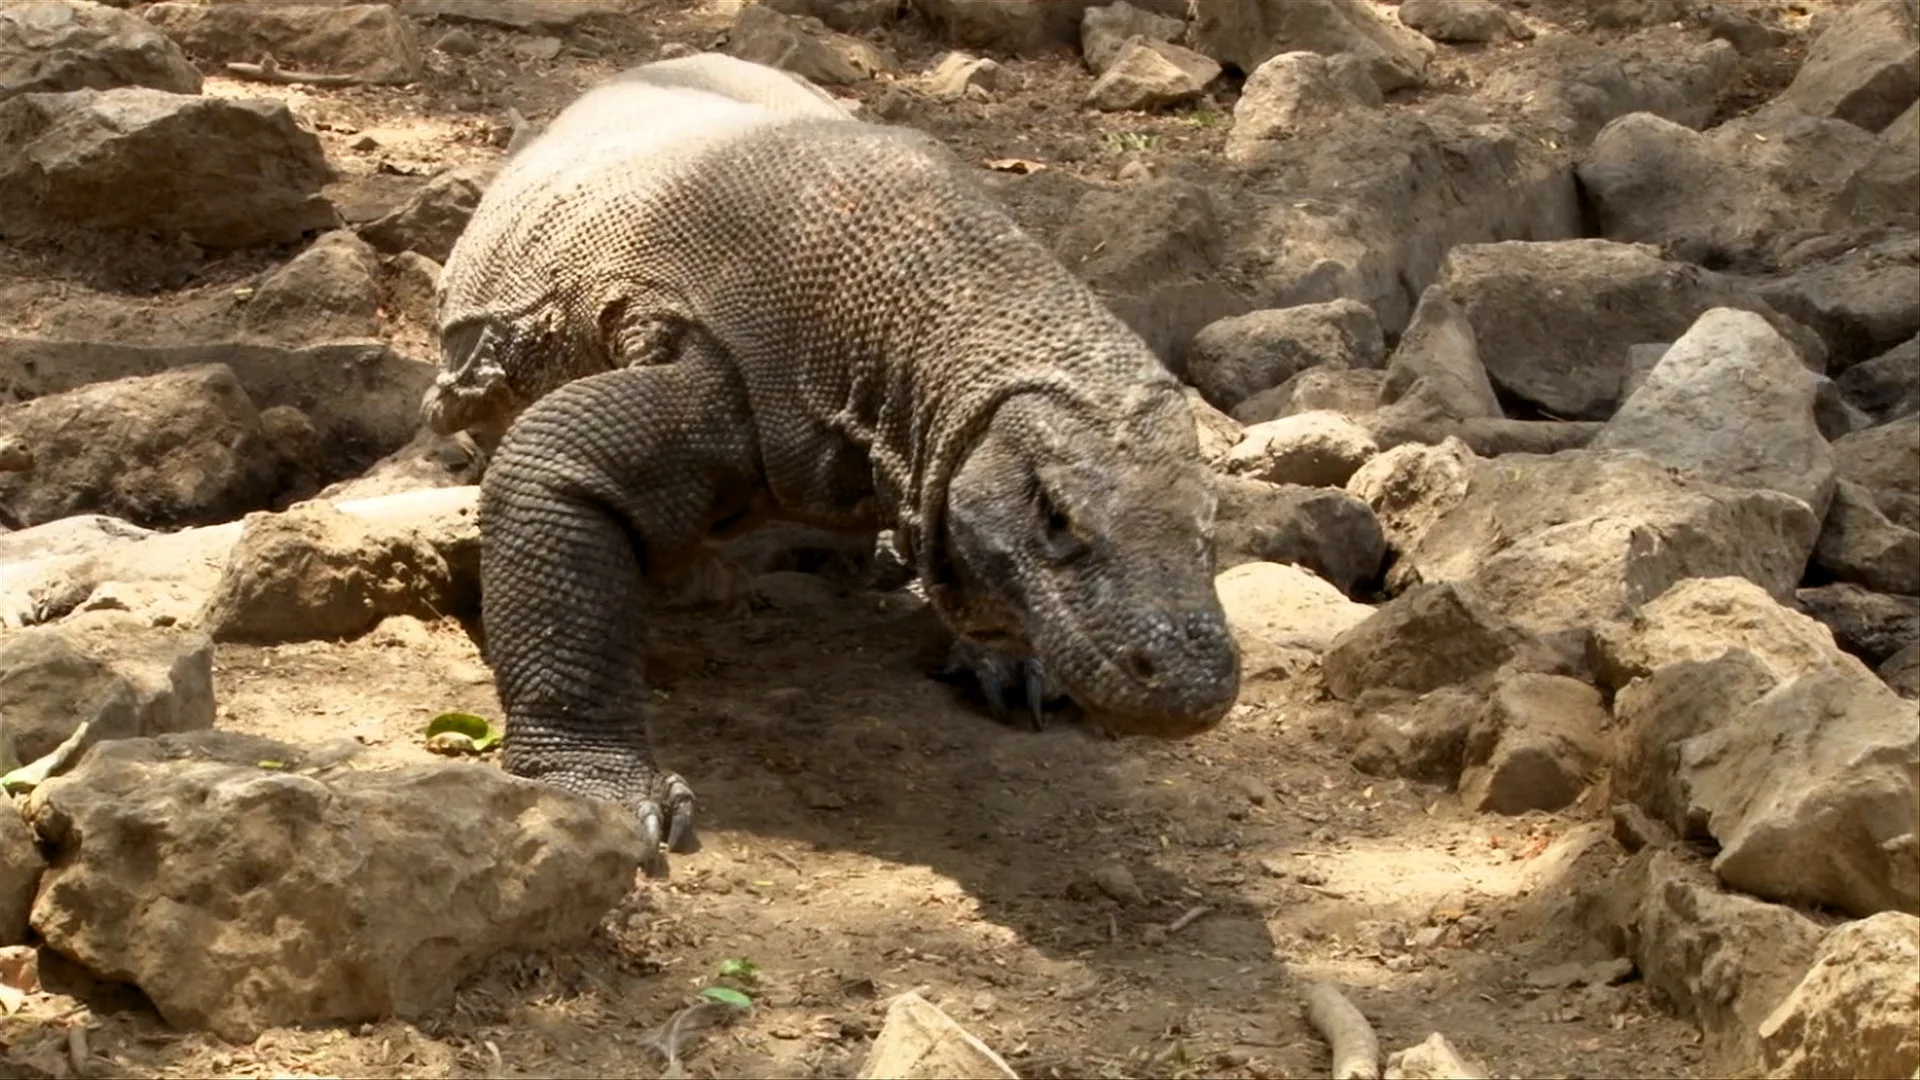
(1861, 303)
(1701, 618)
(1428, 637)
(1882, 190)
(957, 73)
(1410, 488)
(1283, 617)
(1020, 26)
(516, 14)
(1886, 387)
(1813, 795)
(123, 678)
(1461, 21)
(1232, 359)
(846, 16)
(1583, 537)
(1106, 30)
(1324, 530)
(1315, 449)
(1540, 743)
(179, 448)
(223, 172)
(805, 47)
(1901, 671)
(1864, 68)
(429, 461)
(1655, 714)
(1150, 74)
(316, 573)
(1555, 322)
(1732, 404)
(296, 894)
(433, 217)
(369, 42)
(327, 292)
(1855, 1013)
(1858, 544)
(1246, 35)
(1435, 379)
(1573, 85)
(1870, 625)
(1885, 460)
(1739, 195)
(1717, 958)
(1294, 91)
(1422, 738)
(1351, 392)
(20, 867)
(51, 46)
(80, 534)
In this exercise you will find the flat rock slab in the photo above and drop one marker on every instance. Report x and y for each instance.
(51, 46)
(242, 886)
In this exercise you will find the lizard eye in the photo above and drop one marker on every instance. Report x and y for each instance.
(1061, 542)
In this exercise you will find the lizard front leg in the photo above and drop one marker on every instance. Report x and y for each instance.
(600, 482)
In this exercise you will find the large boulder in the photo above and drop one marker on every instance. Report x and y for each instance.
(1151, 74)
(1700, 618)
(1541, 741)
(1862, 301)
(1857, 1011)
(1555, 322)
(1283, 617)
(1864, 68)
(121, 677)
(223, 172)
(803, 46)
(1020, 26)
(1739, 195)
(1105, 32)
(1232, 359)
(1247, 34)
(1325, 530)
(1730, 403)
(180, 448)
(1294, 91)
(1435, 379)
(1580, 538)
(243, 884)
(20, 867)
(51, 46)
(433, 217)
(1428, 637)
(327, 292)
(1887, 387)
(1572, 85)
(1870, 625)
(368, 42)
(1314, 449)
(1885, 461)
(1858, 544)
(1883, 190)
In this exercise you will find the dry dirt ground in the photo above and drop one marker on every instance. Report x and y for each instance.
(867, 831)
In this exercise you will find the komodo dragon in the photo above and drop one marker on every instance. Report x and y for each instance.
(707, 298)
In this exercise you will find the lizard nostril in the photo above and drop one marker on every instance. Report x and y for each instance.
(1140, 665)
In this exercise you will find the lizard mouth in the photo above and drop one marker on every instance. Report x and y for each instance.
(1177, 678)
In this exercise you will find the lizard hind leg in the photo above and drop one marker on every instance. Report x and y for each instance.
(597, 484)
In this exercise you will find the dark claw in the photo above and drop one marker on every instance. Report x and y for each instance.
(1000, 675)
(667, 814)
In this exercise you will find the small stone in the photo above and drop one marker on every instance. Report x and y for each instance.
(1117, 882)
(458, 42)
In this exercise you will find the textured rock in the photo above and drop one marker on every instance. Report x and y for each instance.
(805, 47)
(1701, 618)
(1105, 31)
(1540, 743)
(516, 14)
(1717, 958)
(1870, 625)
(1426, 638)
(1422, 739)
(1246, 35)
(240, 896)
(1293, 91)
(1584, 537)
(1885, 460)
(223, 172)
(1862, 301)
(1887, 387)
(1857, 1011)
(316, 573)
(1555, 321)
(1351, 392)
(1736, 196)
(1573, 85)
(326, 292)
(958, 73)
(1234, 358)
(1315, 449)
(432, 218)
(1858, 544)
(20, 867)
(369, 42)
(1324, 530)
(1150, 74)
(51, 46)
(1882, 190)
(1461, 21)
(919, 1042)
(1814, 795)
(1282, 616)
(115, 673)
(179, 448)
(1864, 68)
(1020, 26)
(1411, 487)
(1435, 379)
(1655, 714)
(1730, 403)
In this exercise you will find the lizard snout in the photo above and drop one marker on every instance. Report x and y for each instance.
(1177, 676)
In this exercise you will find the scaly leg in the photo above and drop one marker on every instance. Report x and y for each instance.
(601, 481)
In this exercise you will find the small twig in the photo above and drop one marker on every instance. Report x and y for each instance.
(77, 1051)
(1356, 1052)
(269, 71)
(1193, 915)
(792, 863)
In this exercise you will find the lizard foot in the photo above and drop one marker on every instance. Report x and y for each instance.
(1005, 679)
(666, 815)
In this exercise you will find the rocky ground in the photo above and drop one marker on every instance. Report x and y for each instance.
(1560, 365)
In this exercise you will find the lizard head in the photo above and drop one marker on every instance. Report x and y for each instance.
(471, 387)
(1085, 535)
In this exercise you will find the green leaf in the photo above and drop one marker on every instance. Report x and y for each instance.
(738, 968)
(484, 735)
(269, 763)
(727, 995)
